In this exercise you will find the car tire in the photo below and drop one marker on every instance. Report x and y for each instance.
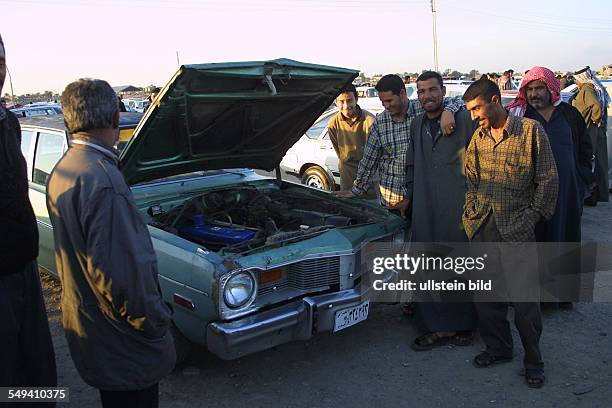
(182, 346)
(316, 177)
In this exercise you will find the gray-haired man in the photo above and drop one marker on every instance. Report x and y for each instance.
(115, 319)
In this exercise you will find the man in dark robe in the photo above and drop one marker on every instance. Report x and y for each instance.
(592, 101)
(539, 99)
(437, 183)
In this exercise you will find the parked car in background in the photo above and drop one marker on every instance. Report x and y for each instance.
(248, 262)
(37, 110)
(34, 125)
(136, 105)
(366, 92)
(313, 159)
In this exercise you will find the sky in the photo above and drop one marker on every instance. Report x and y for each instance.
(50, 43)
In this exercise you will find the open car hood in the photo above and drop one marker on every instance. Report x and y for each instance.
(229, 115)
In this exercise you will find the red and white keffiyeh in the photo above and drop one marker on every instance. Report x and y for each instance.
(519, 105)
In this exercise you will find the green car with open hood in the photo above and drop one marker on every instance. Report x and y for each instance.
(248, 262)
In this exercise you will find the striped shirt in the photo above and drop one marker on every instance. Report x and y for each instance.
(386, 150)
(515, 179)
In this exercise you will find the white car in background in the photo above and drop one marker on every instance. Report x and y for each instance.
(136, 105)
(313, 159)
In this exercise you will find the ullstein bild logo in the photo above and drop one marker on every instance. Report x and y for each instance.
(411, 264)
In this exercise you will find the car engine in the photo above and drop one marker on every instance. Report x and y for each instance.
(242, 219)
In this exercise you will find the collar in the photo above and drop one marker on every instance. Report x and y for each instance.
(507, 128)
(427, 119)
(2, 113)
(390, 118)
(96, 146)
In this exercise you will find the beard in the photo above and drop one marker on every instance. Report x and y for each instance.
(538, 103)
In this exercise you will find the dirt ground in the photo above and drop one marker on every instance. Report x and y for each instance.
(372, 364)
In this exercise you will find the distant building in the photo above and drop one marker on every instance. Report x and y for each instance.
(123, 89)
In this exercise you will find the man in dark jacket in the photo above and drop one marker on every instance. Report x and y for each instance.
(115, 319)
(539, 97)
(26, 350)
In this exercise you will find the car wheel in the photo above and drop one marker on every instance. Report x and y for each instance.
(317, 177)
(182, 346)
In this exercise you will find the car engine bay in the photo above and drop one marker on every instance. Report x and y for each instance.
(241, 219)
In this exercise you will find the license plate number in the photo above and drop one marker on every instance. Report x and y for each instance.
(351, 316)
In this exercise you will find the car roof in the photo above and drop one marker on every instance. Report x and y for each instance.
(56, 122)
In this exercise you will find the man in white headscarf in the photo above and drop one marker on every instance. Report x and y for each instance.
(592, 101)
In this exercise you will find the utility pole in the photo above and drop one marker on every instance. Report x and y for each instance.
(11, 83)
(177, 59)
(435, 35)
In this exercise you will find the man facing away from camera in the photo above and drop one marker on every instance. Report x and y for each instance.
(512, 184)
(114, 317)
(436, 186)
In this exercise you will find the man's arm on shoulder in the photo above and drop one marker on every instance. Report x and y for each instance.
(122, 264)
(453, 104)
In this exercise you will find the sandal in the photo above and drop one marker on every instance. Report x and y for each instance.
(486, 359)
(534, 377)
(463, 338)
(429, 341)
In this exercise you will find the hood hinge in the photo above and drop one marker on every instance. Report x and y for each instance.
(279, 178)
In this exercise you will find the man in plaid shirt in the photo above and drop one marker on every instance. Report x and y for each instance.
(387, 145)
(512, 183)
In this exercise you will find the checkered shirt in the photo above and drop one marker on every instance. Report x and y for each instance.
(515, 179)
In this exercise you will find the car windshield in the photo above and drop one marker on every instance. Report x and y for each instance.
(367, 93)
(316, 129)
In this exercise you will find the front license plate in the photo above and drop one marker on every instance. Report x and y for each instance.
(351, 316)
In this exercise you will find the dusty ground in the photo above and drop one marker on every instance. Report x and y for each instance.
(371, 364)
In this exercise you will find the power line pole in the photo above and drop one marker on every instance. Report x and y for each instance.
(177, 59)
(435, 35)
(11, 83)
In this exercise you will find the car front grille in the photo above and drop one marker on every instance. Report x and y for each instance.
(309, 275)
(314, 273)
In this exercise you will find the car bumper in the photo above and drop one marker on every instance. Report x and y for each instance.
(299, 320)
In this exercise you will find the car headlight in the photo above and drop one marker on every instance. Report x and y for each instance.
(238, 289)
